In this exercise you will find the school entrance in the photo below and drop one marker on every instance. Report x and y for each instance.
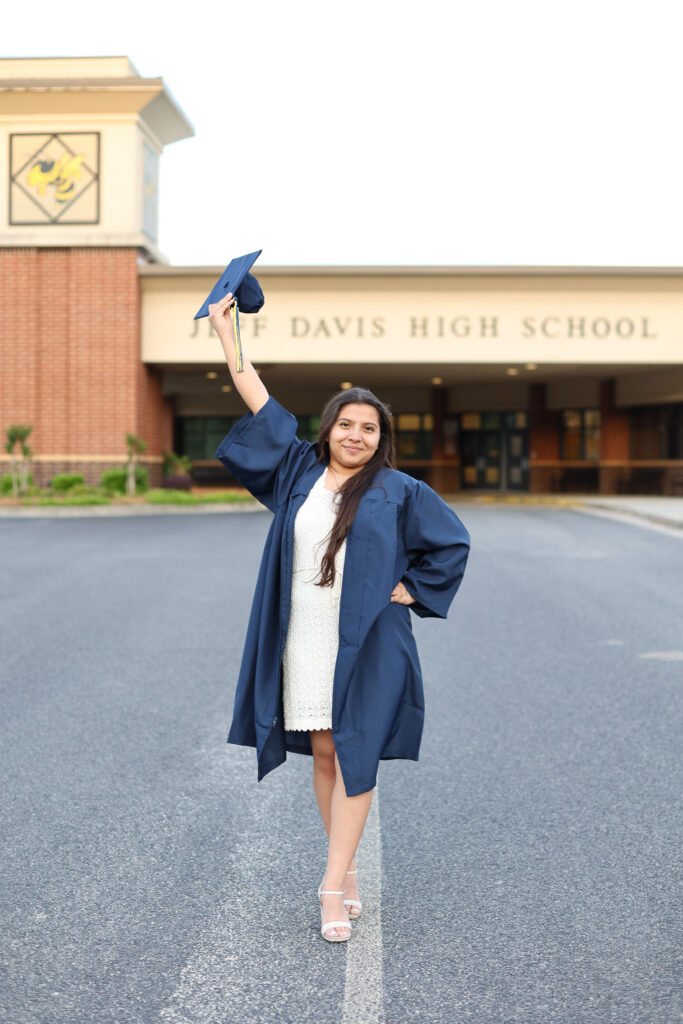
(494, 451)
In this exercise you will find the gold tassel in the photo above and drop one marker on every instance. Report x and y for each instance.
(235, 316)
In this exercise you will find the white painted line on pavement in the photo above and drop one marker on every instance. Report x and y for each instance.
(363, 989)
(663, 655)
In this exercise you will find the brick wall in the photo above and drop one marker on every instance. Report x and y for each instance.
(70, 360)
(544, 439)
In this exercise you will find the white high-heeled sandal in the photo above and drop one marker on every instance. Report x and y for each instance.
(353, 903)
(332, 924)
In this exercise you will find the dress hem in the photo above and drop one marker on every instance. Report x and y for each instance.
(312, 725)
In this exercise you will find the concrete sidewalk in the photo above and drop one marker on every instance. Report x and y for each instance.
(666, 511)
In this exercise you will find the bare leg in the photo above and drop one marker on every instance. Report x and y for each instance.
(329, 785)
(325, 775)
(348, 815)
(324, 772)
(324, 778)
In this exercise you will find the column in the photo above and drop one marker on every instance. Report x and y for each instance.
(614, 438)
(544, 439)
(443, 477)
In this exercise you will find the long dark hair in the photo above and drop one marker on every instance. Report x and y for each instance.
(353, 489)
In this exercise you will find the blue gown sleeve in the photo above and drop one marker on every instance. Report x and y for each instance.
(437, 545)
(263, 452)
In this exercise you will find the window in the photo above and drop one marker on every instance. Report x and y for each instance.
(470, 421)
(413, 436)
(199, 436)
(516, 420)
(580, 434)
(308, 427)
(657, 431)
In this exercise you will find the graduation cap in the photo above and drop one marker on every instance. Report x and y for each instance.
(244, 287)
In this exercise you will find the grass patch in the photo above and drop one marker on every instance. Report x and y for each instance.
(227, 496)
(82, 494)
(163, 496)
(84, 499)
(167, 496)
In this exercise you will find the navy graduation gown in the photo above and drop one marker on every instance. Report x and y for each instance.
(402, 531)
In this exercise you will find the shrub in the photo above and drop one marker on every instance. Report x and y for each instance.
(6, 483)
(177, 482)
(65, 481)
(115, 479)
(176, 465)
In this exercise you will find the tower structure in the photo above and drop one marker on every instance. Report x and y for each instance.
(80, 141)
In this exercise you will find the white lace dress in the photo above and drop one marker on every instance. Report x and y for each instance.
(312, 642)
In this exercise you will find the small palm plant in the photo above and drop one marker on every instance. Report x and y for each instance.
(136, 446)
(20, 465)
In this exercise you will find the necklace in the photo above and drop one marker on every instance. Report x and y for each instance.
(335, 478)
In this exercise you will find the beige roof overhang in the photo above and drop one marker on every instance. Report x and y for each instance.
(129, 94)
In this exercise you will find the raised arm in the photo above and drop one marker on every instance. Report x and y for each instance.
(248, 382)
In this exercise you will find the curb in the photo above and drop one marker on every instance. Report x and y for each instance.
(548, 500)
(105, 511)
(53, 511)
(456, 501)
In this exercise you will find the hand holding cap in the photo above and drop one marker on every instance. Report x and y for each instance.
(243, 285)
(248, 294)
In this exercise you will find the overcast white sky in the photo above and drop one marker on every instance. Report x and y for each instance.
(528, 132)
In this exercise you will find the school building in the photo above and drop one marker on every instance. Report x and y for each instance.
(520, 379)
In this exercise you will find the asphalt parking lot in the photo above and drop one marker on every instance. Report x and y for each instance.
(524, 870)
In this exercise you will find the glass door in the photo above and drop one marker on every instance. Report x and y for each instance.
(488, 463)
(494, 451)
(480, 450)
(516, 453)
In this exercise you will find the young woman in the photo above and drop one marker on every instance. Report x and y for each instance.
(330, 666)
